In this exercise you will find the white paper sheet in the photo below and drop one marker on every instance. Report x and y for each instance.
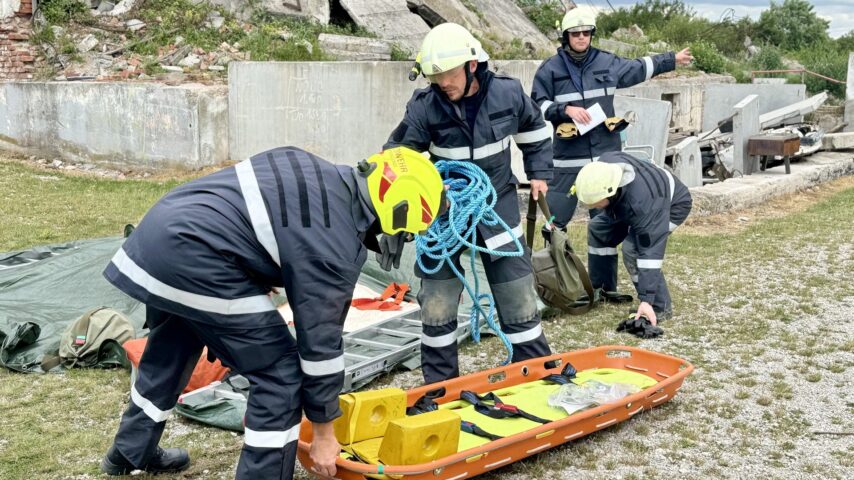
(597, 116)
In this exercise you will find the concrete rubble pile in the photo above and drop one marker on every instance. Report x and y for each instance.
(718, 149)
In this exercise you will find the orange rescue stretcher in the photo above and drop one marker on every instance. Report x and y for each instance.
(668, 372)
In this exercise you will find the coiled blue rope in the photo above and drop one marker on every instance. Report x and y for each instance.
(472, 201)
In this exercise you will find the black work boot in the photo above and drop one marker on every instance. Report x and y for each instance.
(169, 460)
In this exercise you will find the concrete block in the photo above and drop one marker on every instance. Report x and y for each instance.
(719, 99)
(346, 47)
(391, 20)
(117, 124)
(838, 141)
(687, 162)
(848, 116)
(651, 127)
(782, 115)
(744, 125)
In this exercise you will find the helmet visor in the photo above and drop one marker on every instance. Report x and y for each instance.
(446, 75)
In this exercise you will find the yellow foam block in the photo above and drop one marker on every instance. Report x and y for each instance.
(420, 438)
(367, 414)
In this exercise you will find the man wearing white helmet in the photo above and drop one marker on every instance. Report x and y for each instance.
(639, 205)
(469, 114)
(565, 85)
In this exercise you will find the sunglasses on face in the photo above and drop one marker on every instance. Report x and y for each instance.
(585, 33)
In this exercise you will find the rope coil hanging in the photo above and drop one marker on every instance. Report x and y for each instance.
(472, 200)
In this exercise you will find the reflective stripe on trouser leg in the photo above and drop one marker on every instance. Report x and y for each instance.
(439, 352)
(273, 415)
(603, 236)
(561, 204)
(516, 302)
(170, 356)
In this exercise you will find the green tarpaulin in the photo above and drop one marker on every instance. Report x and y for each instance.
(43, 289)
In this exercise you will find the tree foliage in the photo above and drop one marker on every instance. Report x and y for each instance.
(792, 25)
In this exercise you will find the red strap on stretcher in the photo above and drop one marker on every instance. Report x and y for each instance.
(390, 299)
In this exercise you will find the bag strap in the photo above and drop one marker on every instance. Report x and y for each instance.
(532, 216)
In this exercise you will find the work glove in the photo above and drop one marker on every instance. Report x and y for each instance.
(640, 327)
(391, 248)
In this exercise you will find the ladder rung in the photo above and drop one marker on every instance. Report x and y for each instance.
(398, 333)
(364, 341)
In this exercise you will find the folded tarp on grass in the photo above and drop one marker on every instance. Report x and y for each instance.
(43, 289)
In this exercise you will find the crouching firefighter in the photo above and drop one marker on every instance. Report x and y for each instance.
(470, 114)
(641, 205)
(204, 259)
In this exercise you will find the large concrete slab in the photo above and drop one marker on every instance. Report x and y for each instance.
(745, 124)
(343, 111)
(390, 20)
(719, 100)
(117, 124)
(685, 94)
(499, 19)
(652, 125)
(505, 20)
(848, 116)
(748, 191)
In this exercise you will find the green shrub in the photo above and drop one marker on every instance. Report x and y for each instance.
(707, 58)
(828, 61)
(769, 58)
(543, 14)
(60, 12)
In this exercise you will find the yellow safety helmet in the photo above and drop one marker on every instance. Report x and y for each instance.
(405, 188)
(597, 180)
(578, 20)
(448, 46)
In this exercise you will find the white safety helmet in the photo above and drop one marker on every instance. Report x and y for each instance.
(448, 46)
(578, 20)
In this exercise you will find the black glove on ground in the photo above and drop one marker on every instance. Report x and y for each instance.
(640, 328)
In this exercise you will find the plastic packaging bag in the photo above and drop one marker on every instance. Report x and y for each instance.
(572, 397)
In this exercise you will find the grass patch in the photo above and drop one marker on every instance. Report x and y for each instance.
(44, 206)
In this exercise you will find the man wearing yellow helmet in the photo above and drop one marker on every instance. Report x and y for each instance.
(203, 261)
(639, 205)
(470, 114)
(565, 85)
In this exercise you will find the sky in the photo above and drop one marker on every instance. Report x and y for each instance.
(840, 13)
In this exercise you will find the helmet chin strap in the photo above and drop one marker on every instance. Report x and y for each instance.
(469, 79)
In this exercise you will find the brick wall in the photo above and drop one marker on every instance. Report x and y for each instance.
(16, 54)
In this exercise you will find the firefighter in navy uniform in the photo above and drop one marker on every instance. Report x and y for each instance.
(469, 114)
(204, 259)
(639, 205)
(565, 85)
